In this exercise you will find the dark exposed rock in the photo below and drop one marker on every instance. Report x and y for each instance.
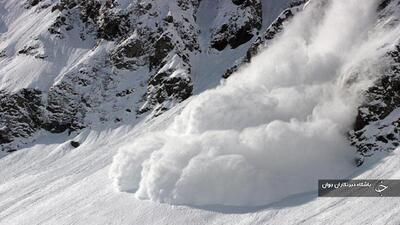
(165, 87)
(29, 50)
(112, 26)
(238, 2)
(239, 28)
(186, 4)
(275, 28)
(66, 4)
(377, 124)
(125, 93)
(359, 162)
(5, 135)
(230, 71)
(169, 19)
(33, 2)
(20, 114)
(162, 47)
(41, 56)
(62, 108)
(75, 144)
(140, 37)
(59, 23)
(128, 54)
(383, 97)
(34, 49)
(148, 6)
(134, 49)
(25, 112)
(93, 15)
(383, 4)
(242, 35)
(296, 3)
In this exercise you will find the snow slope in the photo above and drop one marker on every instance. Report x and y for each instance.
(275, 127)
(51, 183)
(300, 94)
(134, 58)
(24, 28)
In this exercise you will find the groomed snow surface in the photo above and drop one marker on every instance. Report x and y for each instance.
(274, 128)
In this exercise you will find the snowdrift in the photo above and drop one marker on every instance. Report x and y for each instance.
(275, 127)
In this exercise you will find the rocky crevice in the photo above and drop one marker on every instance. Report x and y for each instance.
(377, 126)
(240, 25)
(143, 36)
(271, 32)
(95, 17)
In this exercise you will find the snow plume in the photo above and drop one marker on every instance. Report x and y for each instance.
(272, 129)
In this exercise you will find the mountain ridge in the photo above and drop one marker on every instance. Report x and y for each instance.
(143, 54)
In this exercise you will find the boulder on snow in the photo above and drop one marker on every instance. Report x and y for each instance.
(75, 144)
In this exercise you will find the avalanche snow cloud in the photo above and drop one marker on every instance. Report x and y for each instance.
(275, 127)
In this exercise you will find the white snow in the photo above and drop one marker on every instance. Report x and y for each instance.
(19, 28)
(210, 64)
(247, 152)
(271, 130)
(52, 183)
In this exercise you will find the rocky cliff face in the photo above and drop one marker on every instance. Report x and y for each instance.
(111, 62)
(270, 33)
(238, 23)
(377, 126)
(136, 59)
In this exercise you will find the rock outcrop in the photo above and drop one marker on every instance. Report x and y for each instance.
(377, 126)
(239, 24)
(141, 61)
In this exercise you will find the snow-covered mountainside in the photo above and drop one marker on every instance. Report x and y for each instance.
(196, 111)
(277, 119)
(70, 64)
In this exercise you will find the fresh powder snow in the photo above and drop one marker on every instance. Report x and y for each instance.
(272, 129)
(250, 150)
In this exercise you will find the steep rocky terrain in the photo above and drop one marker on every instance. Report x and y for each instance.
(377, 126)
(264, 40)
(197, 112)
(132, 59)
(108, 63)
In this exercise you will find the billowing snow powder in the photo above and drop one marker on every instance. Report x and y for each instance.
(272, 129)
